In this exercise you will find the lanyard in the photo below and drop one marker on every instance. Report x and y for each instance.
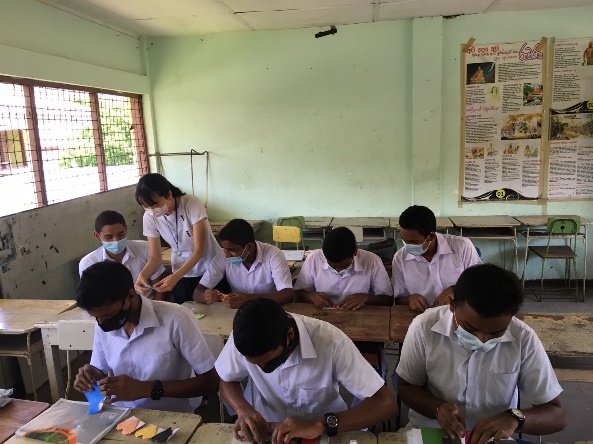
(176, 235)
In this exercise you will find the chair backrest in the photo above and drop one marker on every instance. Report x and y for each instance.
(563, 226)
(292, 221)
(76, 335)
(286, 234)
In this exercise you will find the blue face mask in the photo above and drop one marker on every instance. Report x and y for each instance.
(341, 272)
(471, 343)
(416, 250)
(116, 247)
(236, 259)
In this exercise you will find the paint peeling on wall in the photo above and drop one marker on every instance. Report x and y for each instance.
(7, 248)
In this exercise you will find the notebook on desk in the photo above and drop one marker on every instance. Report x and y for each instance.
(294, 255)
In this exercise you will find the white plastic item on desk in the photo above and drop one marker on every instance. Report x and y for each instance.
(353, 441)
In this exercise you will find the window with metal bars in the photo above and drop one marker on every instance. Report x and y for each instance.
(59, 142)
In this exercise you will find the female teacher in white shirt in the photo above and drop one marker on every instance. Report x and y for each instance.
(182, 221)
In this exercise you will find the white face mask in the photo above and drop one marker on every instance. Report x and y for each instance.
(417, 250)
(157, 212)
(471, 343)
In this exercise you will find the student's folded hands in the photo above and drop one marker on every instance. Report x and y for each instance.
(320, 300)
(253, 427)
(450, 419)
(498, 426)
(124, 388)
(444, 298)
(296, 428)
(235, 300)
(211, 296)
(354, 301)
(418, 303)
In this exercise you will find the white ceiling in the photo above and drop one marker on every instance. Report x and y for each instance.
(192, 17)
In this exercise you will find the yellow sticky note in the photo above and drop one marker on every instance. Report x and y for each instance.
(147, 432)
(200, 315)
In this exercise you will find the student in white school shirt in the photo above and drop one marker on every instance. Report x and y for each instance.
(340, 275)
(253, 269)
(425, 270)
(112, 231)
(182, 221)
(155, 349)
(296, 363)
(462, 364)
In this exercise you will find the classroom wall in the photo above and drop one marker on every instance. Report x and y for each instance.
(362, 123)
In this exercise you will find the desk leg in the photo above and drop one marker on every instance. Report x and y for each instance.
(54, 368)
(525, 259)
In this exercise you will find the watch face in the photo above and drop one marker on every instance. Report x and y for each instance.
(518, 413)
(332, 421)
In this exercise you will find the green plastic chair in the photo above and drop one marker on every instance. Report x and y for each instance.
(293, 221)
(565, 229)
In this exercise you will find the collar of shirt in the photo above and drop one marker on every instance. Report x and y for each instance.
(444, 326)
(305, 348)
(355, 267)
(148, 319)
(129, 254)
(443, 248)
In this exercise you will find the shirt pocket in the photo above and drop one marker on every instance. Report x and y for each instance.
(450, 272)
(310, 400)
(500, 388)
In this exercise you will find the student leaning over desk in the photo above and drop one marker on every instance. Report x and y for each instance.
(253, 269)
(462, 365)
(182, 221)
(296, 363)
(154, 349)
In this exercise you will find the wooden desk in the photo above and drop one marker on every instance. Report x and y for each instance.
(216, 225)
(392, 438)
(218, 320)
(401, 318)
(500, 228)
(16, 414)
(216, 433)
(19, 337)
(187, 423)
(566, 335)
(535, 228)
(443, 223)
(315, 227)
(369, 324)
(49, 335)
(372, 227)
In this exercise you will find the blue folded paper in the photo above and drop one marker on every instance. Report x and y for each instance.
(95, 399)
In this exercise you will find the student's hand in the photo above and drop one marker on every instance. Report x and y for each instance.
(211, 296)
(124, 388)
(498, 426)
(450, 419)
(235, 300)
(354, 301)
(320, 300)
(253, 426)
(167, 284)
(418, 303)
(86, 376)
(297, 428)
(444, 298)
(140, 283)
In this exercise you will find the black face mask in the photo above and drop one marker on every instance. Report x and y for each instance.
(116, 321)
(278, 360)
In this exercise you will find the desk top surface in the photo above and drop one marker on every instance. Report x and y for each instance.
(364, 222)
(484, 221)
(76, 314)
(19, 316)
(442, 222)
(318, 222)
(542, 221)
(16, 414)
(218, 319)
(401, 318)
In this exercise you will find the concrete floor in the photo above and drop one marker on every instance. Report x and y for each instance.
(577, 396)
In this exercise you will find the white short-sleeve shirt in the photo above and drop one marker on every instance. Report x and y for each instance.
(368, 275)
(481, 384)
(166, 345)
(180, 236)
(306, 385)
(269, 272)
(414, 274)
(135, 258)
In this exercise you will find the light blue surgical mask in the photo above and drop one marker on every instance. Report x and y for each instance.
(341, 272)
(237, 259)
(116, 247)
(471, 342)
(416, 250)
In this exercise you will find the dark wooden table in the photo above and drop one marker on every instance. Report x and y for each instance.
(16, 414)
(401, 318)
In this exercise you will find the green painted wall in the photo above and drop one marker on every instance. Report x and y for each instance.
(363, 123)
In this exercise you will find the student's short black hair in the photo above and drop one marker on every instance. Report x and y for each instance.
(154, 184)
(237, 231)
(418, 218)
(108, 217)
(339, 244)
(260, 326)
(103, 283)
(490, 290)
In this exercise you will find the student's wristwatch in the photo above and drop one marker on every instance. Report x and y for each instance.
(331, 421)
(157, 390)
(519, 416)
